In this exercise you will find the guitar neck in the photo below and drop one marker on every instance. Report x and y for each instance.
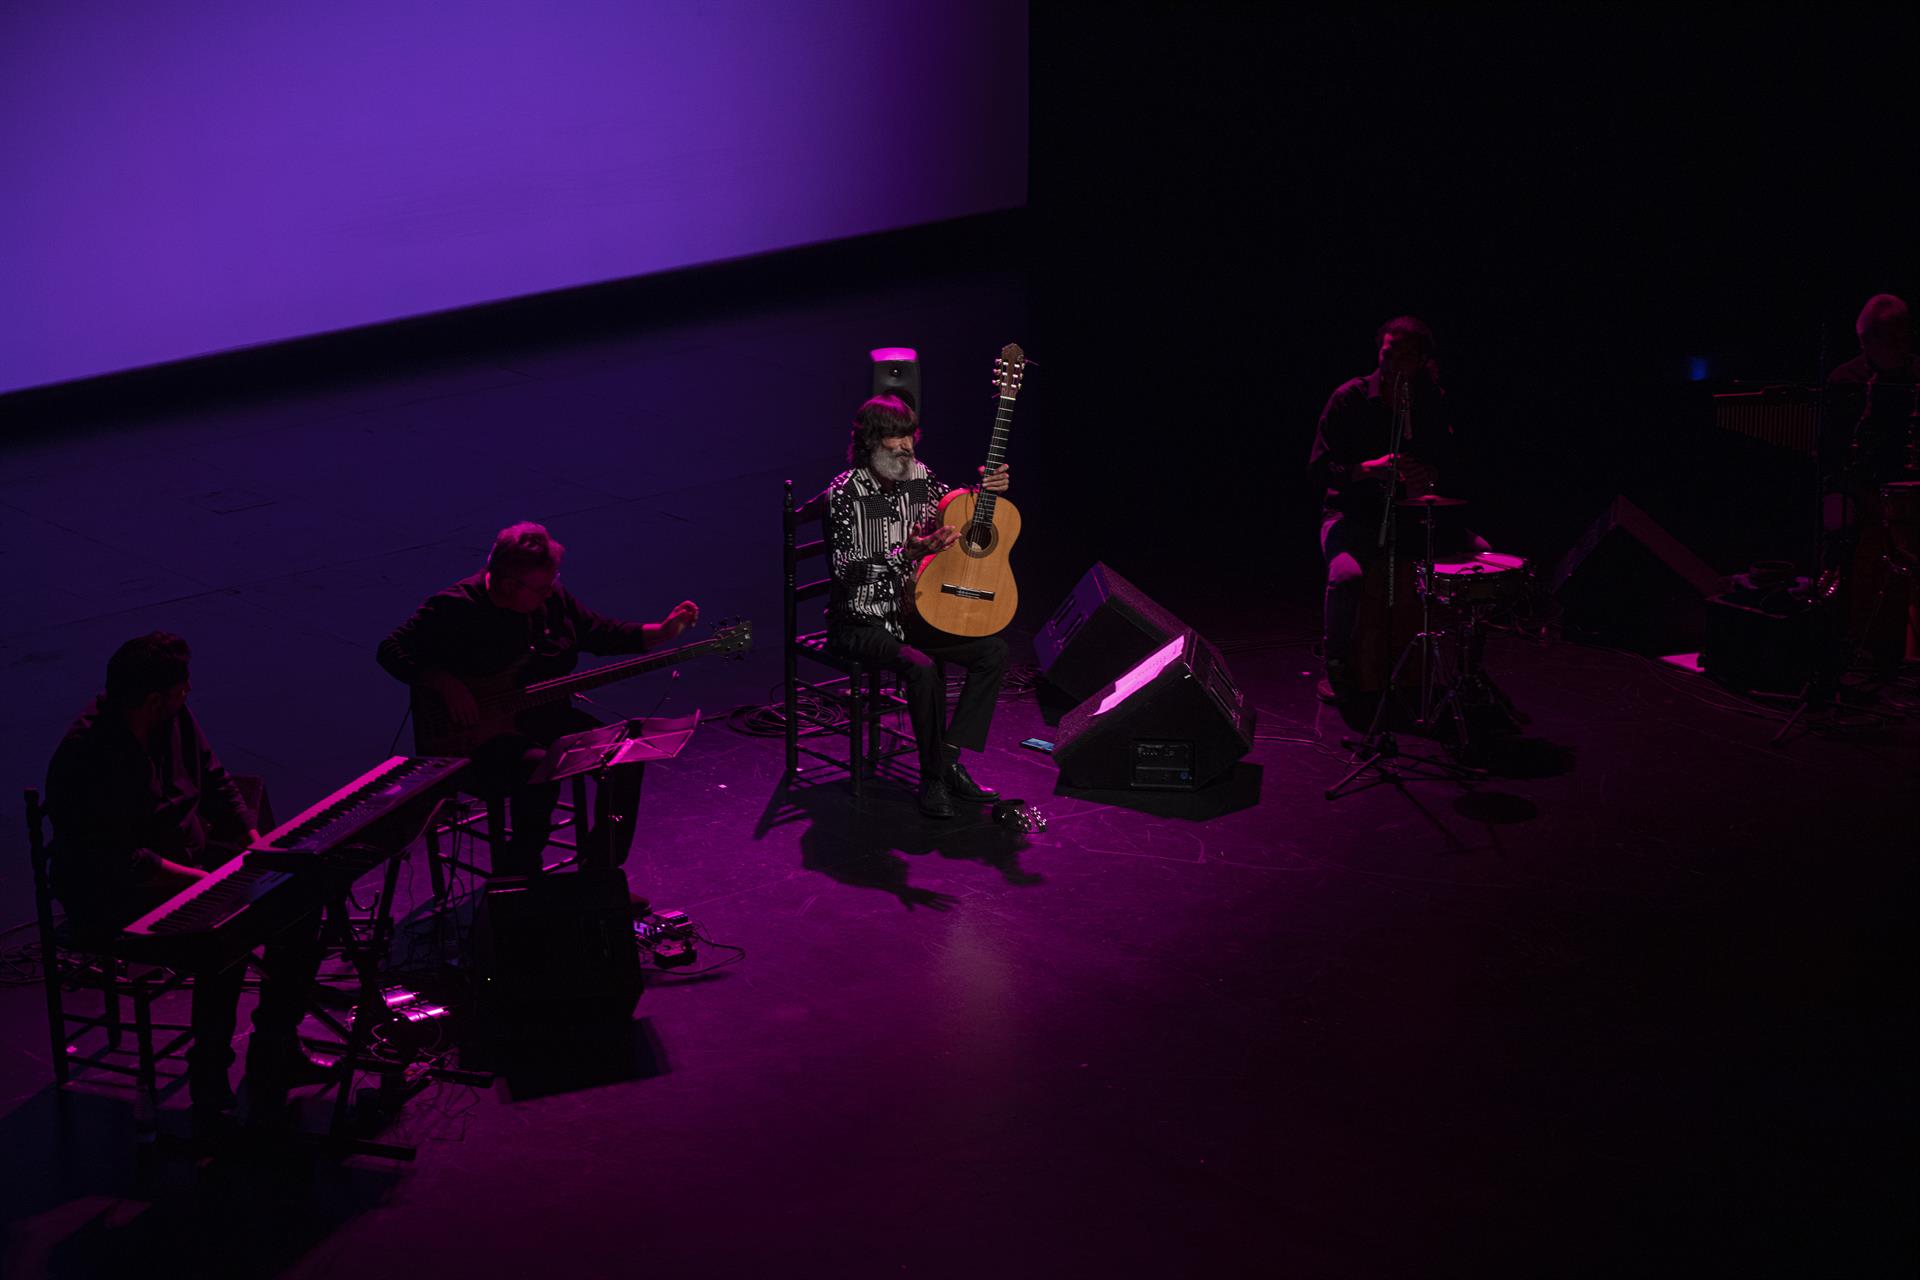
(996, 455)
(561, 688)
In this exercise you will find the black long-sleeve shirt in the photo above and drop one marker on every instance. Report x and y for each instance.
(1870, 413)
(462, 632)
(1357, 425)
(119, 806)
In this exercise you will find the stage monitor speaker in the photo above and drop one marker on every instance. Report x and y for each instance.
(896, 372)
(1630, 582)
(558, 949)
(1174, 721)
(1103, 627)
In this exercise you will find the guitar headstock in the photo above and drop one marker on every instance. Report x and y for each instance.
(732, 635)
(1009, 370)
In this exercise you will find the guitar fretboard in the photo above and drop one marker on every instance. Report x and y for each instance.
(996, 454)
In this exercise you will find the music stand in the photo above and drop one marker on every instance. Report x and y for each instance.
(615, 757)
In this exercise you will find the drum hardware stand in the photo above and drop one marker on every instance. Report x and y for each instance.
(1472, 686)
(1379, 750)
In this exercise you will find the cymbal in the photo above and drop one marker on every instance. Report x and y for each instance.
(1431, 500)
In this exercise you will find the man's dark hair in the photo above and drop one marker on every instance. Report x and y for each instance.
(1410, 327)
(876, 420)
(1884, 314)
(148, 664)
(520, 547)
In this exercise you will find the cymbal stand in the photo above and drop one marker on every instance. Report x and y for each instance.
(1379, 751)
(1471, 686)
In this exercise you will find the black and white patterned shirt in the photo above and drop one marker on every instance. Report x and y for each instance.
(867, 524)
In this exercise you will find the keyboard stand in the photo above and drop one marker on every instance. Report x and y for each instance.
(365, 944)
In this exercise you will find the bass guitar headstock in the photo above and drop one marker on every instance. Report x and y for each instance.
(731, 636)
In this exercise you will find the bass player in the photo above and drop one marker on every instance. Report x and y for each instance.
(513, 616)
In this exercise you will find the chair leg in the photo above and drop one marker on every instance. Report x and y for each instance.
(791, 707)
(110, 999)
(147, 1106)
(856, 732)
(496, 829)
(56, 1017)
(436, 867)
(873, 718)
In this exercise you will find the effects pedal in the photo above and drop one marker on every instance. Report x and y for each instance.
(668, 936)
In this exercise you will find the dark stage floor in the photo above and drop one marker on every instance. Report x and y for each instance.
(1639, 1009)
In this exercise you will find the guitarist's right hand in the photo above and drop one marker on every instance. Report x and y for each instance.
(938, 539)
(454, 696)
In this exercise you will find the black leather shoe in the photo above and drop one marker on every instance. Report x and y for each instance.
(935, 801)
(963, 787)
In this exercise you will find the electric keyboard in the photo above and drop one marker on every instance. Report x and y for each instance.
(371, 811)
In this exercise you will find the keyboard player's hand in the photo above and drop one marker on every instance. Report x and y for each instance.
(174, 876)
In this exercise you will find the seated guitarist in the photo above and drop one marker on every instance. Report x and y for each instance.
(141, 809)
(1353, 465)
(513, 619)
(882, 517)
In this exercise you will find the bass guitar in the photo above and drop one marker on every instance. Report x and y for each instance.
(968, 589)
(504, 699)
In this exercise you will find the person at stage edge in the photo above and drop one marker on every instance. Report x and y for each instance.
(141, 809)
(1353, 466)
(514, 614)
(1872, 439)
(882, 519)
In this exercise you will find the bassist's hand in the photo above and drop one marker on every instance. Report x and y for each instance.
(454, 696)
(997, 481)
(678, 619)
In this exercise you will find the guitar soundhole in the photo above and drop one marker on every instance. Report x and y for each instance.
(977, 538)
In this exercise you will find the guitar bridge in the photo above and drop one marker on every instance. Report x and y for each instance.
(965, 593)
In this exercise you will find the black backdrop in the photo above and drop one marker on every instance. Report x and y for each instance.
(1227, 200)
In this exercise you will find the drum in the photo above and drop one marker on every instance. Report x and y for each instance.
(1900, 509)
(1489, 578)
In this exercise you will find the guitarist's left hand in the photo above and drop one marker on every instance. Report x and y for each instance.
(997, 482)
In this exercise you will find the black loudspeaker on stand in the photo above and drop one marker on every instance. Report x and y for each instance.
(558, 949)
(896, 372)
(1174, 721)
(1103, 628)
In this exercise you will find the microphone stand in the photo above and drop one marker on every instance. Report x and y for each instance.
(1388, 536)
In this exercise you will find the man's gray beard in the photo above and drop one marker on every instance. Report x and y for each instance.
(891, 466)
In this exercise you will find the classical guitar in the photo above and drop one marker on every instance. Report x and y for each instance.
(504, 698)
(968, 589)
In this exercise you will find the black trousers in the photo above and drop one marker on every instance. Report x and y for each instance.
(917, 661)
(291, 959)
(500, 769)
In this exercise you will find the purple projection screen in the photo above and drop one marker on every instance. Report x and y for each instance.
(202, 175)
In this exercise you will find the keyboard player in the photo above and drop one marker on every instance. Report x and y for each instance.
(141, 806)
